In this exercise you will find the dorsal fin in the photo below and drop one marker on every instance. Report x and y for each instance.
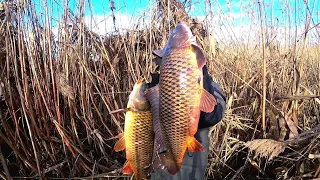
(201, 59)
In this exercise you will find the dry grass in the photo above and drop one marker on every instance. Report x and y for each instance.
(266, 147)
(57, 92)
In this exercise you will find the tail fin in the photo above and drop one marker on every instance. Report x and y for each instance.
(166, 160)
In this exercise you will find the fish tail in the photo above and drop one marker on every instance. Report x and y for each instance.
(166, 160)
(194, 145)
(171, 165)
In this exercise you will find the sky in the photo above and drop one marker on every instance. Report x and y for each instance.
(234, 8)
(236, 17)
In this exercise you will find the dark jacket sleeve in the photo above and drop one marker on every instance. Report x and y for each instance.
(212, 118)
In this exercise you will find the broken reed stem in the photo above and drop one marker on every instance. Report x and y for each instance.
(264, 88)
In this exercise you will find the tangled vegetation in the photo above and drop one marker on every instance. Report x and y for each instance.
(58, 91)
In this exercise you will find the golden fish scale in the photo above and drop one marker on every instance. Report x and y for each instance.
(179, 99)
(139, 137)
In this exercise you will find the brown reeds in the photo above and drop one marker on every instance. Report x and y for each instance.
(264, 72)
(59, 93)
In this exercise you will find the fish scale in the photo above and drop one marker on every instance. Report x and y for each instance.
(139, 142)
(179, 92)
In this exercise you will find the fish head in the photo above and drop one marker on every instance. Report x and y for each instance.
(181, 37)
(137, 100)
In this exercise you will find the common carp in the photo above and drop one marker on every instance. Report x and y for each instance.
(138, 136)
(182, 96)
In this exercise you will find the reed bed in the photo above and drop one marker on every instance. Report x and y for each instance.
(58, 91)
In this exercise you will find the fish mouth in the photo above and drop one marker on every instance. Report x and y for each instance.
(182, 27)
(141, 83)
(181, 36)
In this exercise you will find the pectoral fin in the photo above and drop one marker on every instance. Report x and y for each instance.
(207, 101)
(159, 53)
(120, 145)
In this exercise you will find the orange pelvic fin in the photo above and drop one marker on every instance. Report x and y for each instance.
(127, 168)
(207, 101)
(140, 80)
(120, 145)
(194, 145)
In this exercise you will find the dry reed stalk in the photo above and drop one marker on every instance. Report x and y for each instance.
(67, 88)
(264, 74)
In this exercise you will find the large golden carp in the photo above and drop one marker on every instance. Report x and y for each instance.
(182, 96)
(138, 135)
